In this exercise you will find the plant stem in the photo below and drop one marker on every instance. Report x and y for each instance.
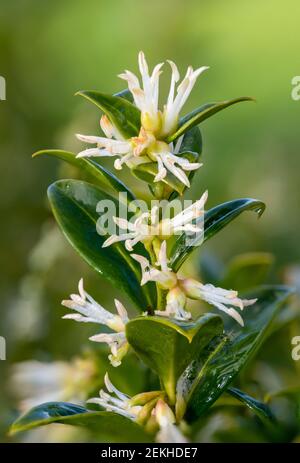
(153, 249)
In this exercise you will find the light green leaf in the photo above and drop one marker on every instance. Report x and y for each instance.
(290, 397)
(201, 114)
(246, 271)
(116, 427)
(211, 268)
(123, 114)
(287, 315)
(74, 205)
(290, 392)
(214, 220)
(167, 347)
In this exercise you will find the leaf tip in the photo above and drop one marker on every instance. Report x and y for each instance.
(37, 153)
(41, 152)
(250, 98)
(84, 93)
(260, 210)
(12, 431)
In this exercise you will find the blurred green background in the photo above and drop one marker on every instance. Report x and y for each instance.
(51, 49)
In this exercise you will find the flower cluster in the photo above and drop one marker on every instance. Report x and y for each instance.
(35, 382)
(148, 409)
(149, 229)
(180, 289)
(156, 125)
(154, 232)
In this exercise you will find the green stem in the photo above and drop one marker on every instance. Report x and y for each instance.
(162, 191)
(161, 298)
(161, 293)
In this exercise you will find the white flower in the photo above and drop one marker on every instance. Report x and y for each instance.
(128, 151)
(146, 99)
(116, 401)
(167, 280)
(164, 276)
(138, 408)
(176, 302)
(155, 125)
(176, 103)
(90, 311)
(35, 382)
(146, 95)
(180, 289)
(144, 228)
(167, 160)
(218, 297)
(147, 226)
(139, 150)
(169, 433)
(117, 343)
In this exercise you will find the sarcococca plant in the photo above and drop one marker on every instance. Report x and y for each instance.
(194, 354)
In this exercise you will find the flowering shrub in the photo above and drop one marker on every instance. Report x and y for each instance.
(195, 354)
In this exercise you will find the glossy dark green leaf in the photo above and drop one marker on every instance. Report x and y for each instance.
(126, 94)
(205, 379)
(74, 205)
(191, 148)
(214, 220)
(167, 347)
(262, 410)
(192, 141)
(109, 424)
(246, 271)
(103, 177)
(202, 113)
(123, 114)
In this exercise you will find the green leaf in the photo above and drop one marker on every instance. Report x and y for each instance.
(211, 268)
(201, 114)
(214, 220)
(247, 271)
(208, 377)
(123, 114)
(126, 94)
(286, 405)
(191, 148)
(167, 347)
(109, 424)
(262, 410)
(103, 177)
(290, 392)
(287, 315)
(192, 141)
(74, 205)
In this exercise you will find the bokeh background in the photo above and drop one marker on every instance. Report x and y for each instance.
(51, 49)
